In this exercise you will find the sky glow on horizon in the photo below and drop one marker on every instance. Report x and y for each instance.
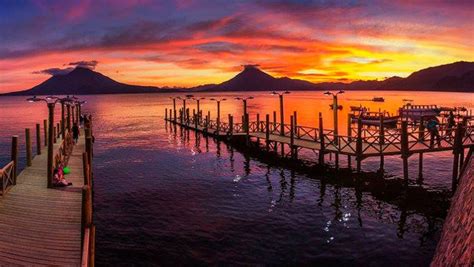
(190, 42)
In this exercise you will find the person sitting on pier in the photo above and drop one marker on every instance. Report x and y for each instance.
(58, 178)
(75, 132)
(432, 127)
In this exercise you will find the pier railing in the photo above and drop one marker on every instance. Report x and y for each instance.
(7, 174)
(372, 141)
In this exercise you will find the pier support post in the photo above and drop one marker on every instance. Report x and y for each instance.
(381, 142)
(457, 148)
(63, 126)
(404, 146)
(349, 139)
(282, 119)
(421, 134)
(292, 137)
(257, 128)
(359, 144)
(50, 145)
(28, 146)
(38, 139)
(247, 130)
(45, 130)
(231, 125)
(267, 131)
(166, 114)
(14, 157)
(68, 123)
(321, 139)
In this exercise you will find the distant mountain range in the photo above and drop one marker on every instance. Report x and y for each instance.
(458, 76)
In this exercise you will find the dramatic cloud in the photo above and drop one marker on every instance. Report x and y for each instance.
(191, 42)
(85, 64)
(54, 71)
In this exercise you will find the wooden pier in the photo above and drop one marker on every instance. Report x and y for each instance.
(360, 142)
(41, 226)
(456, 245)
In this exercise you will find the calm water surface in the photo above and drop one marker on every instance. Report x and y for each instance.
(172, 197)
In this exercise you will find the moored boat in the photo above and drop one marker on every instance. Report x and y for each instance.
(378, 99)
(373, 118)
(416, 112)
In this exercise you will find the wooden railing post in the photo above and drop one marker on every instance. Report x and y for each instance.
(349, 138)
(381, 142)
(28, 146)
(45, 126)
(292, 137)
(231, 125)
(267, 131)
(321, 139)
(166, 114)
(247, 133)
(38, 139)
(359, 144)
(404, 149)
(14, 157)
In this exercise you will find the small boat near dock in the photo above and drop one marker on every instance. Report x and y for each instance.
(378, 99)
(373, 118)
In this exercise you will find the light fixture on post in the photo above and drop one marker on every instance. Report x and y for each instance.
(282, 119)
(335, 107)
(218, 120)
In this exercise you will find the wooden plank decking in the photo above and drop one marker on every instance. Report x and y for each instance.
(41, 226)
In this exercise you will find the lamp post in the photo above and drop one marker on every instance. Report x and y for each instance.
(335, 107)
(198, 100)
(50, 102)
(244, 100)
(218, 119)
(282, 119)
(174, 108)
(184, 105)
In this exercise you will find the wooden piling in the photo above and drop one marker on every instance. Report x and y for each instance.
(28, 146)
(231, 125)
(247, 130)
(45, 127)
(404, 149)
(421, 134)
(381, 143)
(258, 127)
(457, 148)
(267, 131)
(321, 139)
(292, 137)
(359, 144)
(14, 157)
(349, 138)
(38, 139)
(166, 114)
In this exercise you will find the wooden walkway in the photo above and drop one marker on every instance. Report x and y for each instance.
(360, 142)
(41, 226)
(456, 245)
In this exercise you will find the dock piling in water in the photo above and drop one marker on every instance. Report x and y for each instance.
(28, 146)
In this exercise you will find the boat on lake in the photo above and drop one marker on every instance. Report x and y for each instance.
(373, 118)
(378, 99)
(416, 112)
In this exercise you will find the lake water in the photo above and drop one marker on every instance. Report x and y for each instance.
(172, 198)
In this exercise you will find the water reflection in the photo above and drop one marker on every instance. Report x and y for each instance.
(193, 200)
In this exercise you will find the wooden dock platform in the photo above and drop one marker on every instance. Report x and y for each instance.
(40, 225)
(359, 143)
(48, 226)
(456, 245)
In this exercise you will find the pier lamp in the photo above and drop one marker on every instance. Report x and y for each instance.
(198, 100)
(184, 104)
(218, 110)
(335, 107)
(244, 100)
(282, 119)
(65, 102)
(50, 102)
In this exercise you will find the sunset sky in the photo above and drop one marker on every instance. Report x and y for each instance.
(191, 42)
